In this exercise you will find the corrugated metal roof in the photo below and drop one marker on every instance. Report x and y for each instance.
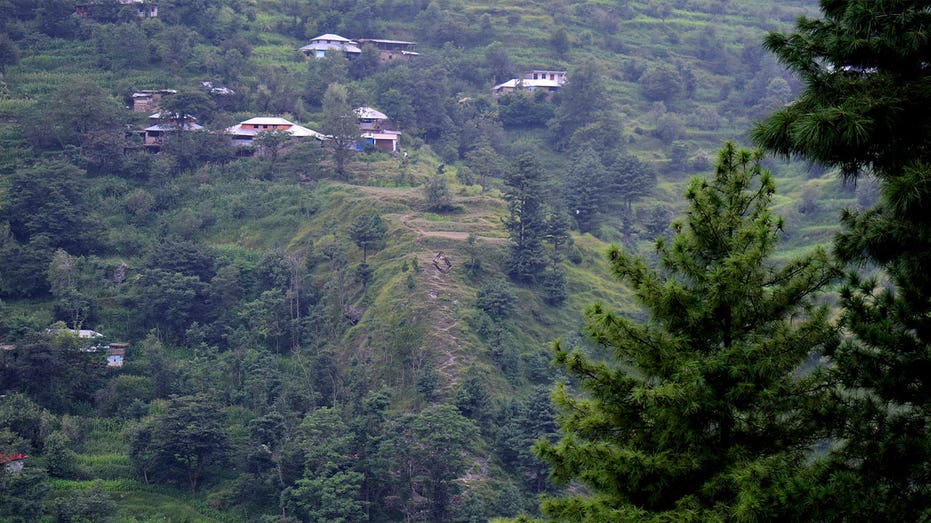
(382, 136)
(174, 116)
(369, 113)
(174, 127)
(380, 41)
(513, 83)
(267, 120)
(149, 92)
(293, 130)
(332, 37)
(12, 457)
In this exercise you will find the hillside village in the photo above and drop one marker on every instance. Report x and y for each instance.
(376, 129)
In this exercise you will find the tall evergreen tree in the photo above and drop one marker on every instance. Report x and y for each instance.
(585, 188)
(632, 179)
(526, 223)
(703, 404)
(340, 124)
(9, 53)
(368, 232)
(866, 109)
(557, 235)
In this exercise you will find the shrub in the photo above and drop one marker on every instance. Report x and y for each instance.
(496, 299)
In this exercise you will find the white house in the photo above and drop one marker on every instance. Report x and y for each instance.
(13, 463)
(331, 43)
(389, 141)
(545, 74)
(144, 8)
(536, 80)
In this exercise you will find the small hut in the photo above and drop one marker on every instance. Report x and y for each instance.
(116, 354)
(13, 463)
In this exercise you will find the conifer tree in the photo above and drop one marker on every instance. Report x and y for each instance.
(525, 192)
(586, 188)
(368, 232)
(866, 109)
(689, 415)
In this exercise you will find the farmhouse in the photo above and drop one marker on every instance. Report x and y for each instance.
(13, 463)
(390, 50)
(377, 130)
(84, 334)
(154, 135)
(331, 43)
(244, 133)
(148, 100)
(144, 8)
(116, 354)
(536, 80)
(372, 119)
(389, 141)
(541, 74)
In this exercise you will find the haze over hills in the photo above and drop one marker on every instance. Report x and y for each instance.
(320, 332)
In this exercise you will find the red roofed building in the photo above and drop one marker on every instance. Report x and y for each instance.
(13, 462)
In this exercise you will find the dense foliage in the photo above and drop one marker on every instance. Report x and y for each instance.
(865, 110)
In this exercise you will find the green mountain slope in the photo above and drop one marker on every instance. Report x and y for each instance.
(240, 286)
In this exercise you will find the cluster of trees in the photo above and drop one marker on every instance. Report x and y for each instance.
(237, 387)
(739, 399)
(266, 440)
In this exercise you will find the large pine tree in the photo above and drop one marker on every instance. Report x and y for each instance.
(525, 191)
(866, 109)
(691, 413)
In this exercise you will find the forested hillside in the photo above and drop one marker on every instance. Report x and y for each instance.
(318, 331)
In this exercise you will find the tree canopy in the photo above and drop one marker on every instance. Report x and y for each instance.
(181, 444)
(696, 410)
(865, 110)
(340, 125)
(525, 192)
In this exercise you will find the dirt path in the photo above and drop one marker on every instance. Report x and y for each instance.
(410, 221)
(444, 335)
